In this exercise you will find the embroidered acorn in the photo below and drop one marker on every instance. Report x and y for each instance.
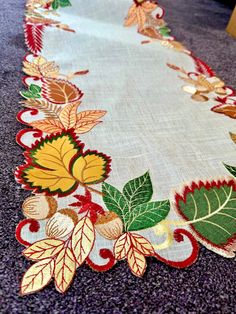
(109, 225)
(61, 223)
(39, 207)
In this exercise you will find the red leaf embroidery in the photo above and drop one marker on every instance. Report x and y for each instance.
(34, 36)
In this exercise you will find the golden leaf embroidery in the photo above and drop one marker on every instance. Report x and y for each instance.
(50, 166)
(90, 168)
(65, 267)
(37, 276)
(137, 262)
(43, 249)
(60, 91)
(83, 238)
(57, 165)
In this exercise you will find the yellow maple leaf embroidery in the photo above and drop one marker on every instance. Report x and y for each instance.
(57, 165)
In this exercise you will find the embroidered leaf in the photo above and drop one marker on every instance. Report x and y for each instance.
(150, 32)
(90, 115)
(32, 92)
(122, 246)
(202, 67)
(210, 209)
(48, 125)
(60, 91)
(34, 89)
(136, 261)
(164, 31)
(83, 239)
(51, 111)
(37, 276)
(49, 165)
(86, 126)
(91, 168)
(40, 67)
(233, 137)
(68, 115)
(138, 191)
(43, 249)
(27, 94)
(64, 269)
(60, 3)
(226, 109)
(147, 215)
(231, 169)
(33, 36)
(114, 200)
(57, 165)
(141, 17)
(131, 18)
(142, 244)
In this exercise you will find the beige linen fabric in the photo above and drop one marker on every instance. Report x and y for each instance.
(151, 124)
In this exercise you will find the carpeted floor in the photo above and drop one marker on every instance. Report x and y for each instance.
(207, 287)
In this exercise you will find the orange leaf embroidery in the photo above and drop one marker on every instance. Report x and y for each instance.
(48, 125)
(228, 110)
(60, 91)
(83, 239)
(150, 32)
(37, 276)
(65, 269)
(90, 115)
(149, 6)
(137, 262)
(68, 115)
(141, 17)
(43, 249)
(131, 18)
(83, 127)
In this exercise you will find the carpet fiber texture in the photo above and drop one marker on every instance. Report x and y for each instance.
(207, 287)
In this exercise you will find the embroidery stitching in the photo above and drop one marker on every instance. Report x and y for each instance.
(56, 164)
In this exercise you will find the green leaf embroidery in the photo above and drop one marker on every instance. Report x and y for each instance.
(64, 3)
(231, 169)
(33, 92)
(138, 191)
(133, 206)
(34, 89)
(114, 200)
(55, 4)
(164, 31)
(148, 215)
(210, 208)
(60, 3)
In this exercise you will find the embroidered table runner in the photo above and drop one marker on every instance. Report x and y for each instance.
(155, 178)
